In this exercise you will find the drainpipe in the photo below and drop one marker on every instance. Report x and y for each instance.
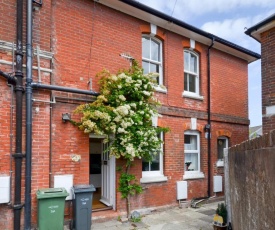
(28, 117)
(208, 127)
(18, 94)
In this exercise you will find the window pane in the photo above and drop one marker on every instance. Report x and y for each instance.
(145, 166)
(221, 146)
(190, 142)
(186, 61)
(185, 81)
(193, 63)
(155, 51)
(191, 161)
(192, 83)
(155, 163)
(145, 66)
(146, 48)
(152, 166)
(154, 68)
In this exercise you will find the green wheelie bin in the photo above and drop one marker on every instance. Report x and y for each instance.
(50, 211)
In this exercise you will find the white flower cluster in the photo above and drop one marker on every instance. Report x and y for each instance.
(122, 98)
(89, 126)
(100, 115)
(122, 110)
(130, 149)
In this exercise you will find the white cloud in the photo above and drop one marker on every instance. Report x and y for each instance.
(230, 29)
(233, 29)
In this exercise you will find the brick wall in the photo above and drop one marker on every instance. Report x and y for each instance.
(87, 37)
(268, 77)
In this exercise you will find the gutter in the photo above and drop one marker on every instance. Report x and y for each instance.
(250, 30)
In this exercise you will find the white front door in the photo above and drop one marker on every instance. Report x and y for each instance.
(108, 176)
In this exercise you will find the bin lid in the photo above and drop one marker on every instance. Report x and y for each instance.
(82, 188)
(45, 193)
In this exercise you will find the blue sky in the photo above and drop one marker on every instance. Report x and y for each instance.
(227, 19)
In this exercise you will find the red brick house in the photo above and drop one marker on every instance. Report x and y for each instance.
(264, 32)
(202, 86)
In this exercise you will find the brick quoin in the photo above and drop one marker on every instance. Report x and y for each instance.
(86, 37)
(268, 77)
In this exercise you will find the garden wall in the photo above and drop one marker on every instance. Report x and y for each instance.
(251, 184)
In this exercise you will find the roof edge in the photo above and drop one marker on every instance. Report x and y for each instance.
(166, 17)
(260, 24)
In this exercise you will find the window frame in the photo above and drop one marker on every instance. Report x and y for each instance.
(187, 93)
(193, 174)
(155, 176)
(159, 63)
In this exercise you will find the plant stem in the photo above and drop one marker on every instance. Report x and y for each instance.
(128, 165)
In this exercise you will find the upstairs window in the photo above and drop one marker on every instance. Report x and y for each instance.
(152, 57)
(191, 72)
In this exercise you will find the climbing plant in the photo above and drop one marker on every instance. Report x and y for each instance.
(124, 111)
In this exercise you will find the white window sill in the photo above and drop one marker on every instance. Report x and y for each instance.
(192, 95)
(160, 89)
(220, 163)
(193, 175)
(145, 180)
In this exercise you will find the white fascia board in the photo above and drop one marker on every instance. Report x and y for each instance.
(257, 33)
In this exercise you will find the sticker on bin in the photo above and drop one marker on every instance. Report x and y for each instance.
(84, 200)
(53, 208)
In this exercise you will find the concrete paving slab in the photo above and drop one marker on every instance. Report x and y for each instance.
(170, 219)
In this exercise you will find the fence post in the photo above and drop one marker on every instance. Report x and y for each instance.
(227, 184)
